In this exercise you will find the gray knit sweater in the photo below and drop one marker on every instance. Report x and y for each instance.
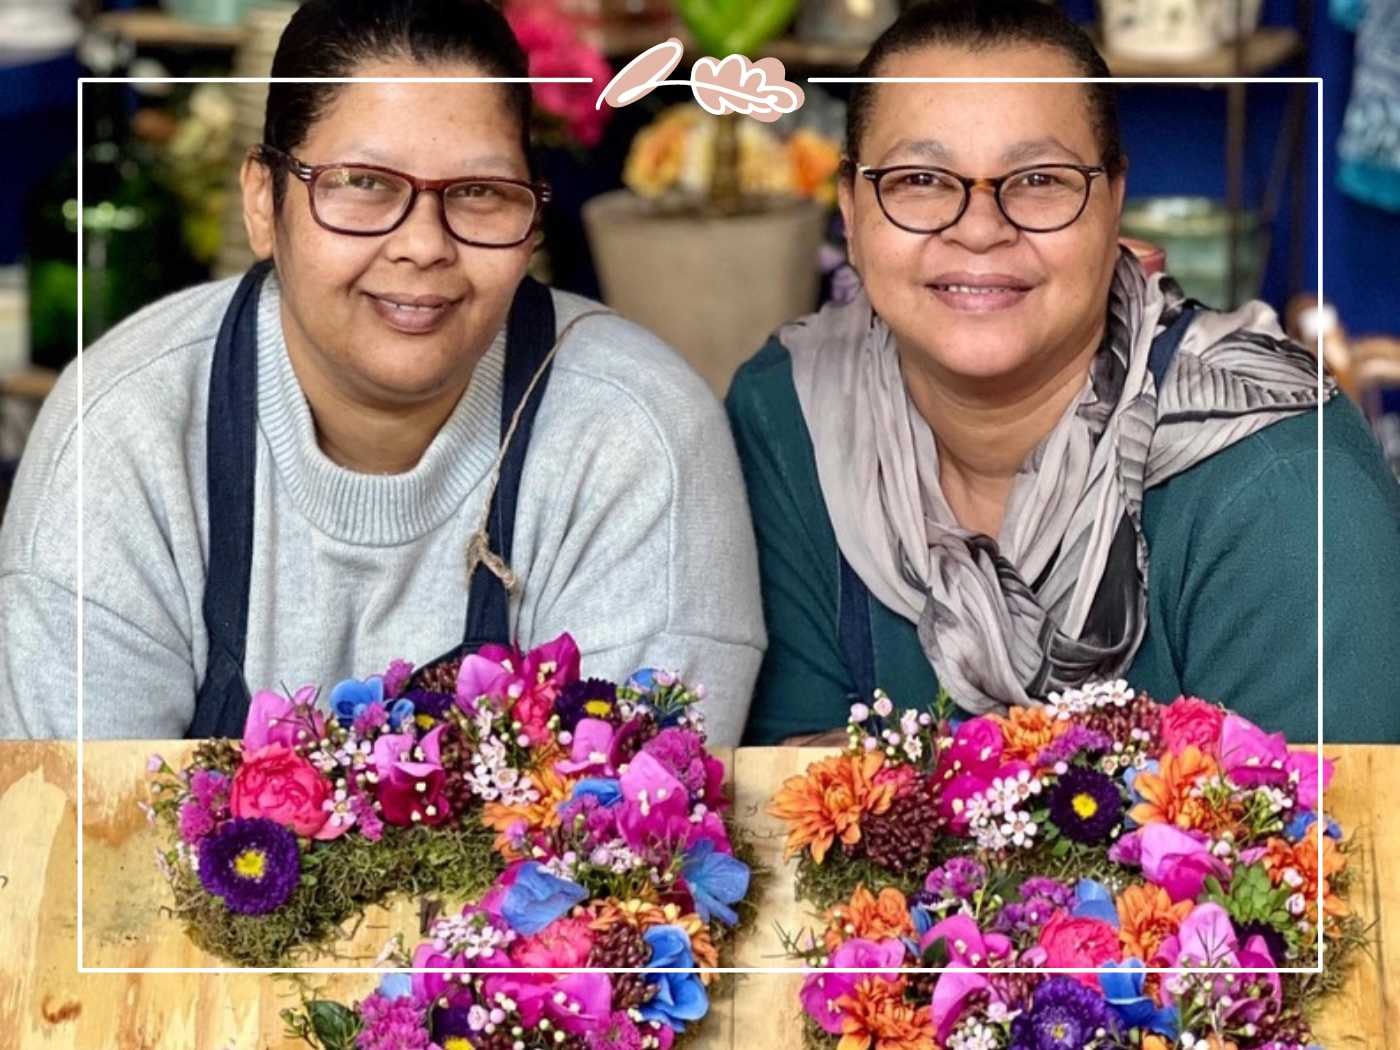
(632, 530)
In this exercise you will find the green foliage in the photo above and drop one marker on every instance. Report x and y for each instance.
(723, 27)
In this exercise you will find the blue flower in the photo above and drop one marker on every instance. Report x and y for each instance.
(395, 986)
(1303, 820)
(536, 898)
(716, 880)
(400, 711)
(1123, 989)
(352, 696)
(678, 997)
(1093, 901)
(608, 792)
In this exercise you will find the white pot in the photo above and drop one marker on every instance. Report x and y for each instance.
(1171, 30)
(714, 288)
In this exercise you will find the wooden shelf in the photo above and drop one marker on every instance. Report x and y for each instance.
(1264, 50)
(147, 27)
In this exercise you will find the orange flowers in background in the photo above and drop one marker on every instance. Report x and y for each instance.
(1147, 917)
(869, 917)
(1301, 858)
(540, 815)
(828, 802)
(876, 1014)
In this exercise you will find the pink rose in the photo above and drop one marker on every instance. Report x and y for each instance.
(1189, 720)
(563, 943)
(1080, 942)
(276, 783)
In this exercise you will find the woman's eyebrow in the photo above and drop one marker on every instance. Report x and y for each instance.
(486, 164)
(1033, 149)
(924, 149)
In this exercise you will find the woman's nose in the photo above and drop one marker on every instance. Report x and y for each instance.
(422, 237)
(982, 224)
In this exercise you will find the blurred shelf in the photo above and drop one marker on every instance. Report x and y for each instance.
(147, 27)
(1265, 49)
(28, 384)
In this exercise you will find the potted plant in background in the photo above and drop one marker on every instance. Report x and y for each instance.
(715, 240)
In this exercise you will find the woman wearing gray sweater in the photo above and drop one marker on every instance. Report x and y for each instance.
(303, 474)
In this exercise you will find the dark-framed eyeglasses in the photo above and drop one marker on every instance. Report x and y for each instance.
(1041, 198)
(366, 200)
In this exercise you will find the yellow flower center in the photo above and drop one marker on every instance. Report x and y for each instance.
(456, 1042)
(1084, 805)
(601, 708)
(250, 864)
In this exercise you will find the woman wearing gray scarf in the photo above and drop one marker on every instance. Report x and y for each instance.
(1016, 463)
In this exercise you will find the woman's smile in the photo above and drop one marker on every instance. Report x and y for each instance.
(968, 292)
(413, 314)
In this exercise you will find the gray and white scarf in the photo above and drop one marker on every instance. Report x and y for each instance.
(1073, 521)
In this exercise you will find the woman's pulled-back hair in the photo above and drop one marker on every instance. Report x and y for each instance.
(333, 38)
(982, 25)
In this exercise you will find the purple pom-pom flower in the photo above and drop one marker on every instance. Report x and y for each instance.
(253, 864)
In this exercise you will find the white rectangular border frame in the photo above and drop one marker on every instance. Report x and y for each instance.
(1318, 827)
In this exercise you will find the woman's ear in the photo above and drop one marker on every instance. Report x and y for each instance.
(846, 200)
(259, 214)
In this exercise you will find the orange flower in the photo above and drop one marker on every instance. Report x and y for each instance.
(1147, 917)
(873, 918)
(540, 815)
(1168, 791)
(877, 1015)
(815, 161)
(643, 915)
(1301, 857)
(1027, 730)
(828, 801)
(1154, 1042)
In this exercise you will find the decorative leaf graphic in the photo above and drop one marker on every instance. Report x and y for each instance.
(735, 85)
(643, 75)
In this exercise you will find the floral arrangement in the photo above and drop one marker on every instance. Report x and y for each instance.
(1102, 832)
(672, 159)
(554, 48)
(582, 821)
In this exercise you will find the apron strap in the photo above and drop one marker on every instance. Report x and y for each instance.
(529, 339)
(221, 705)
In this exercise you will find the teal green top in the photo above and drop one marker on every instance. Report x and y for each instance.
(1232, 579)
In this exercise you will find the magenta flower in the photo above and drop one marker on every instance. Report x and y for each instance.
(1178, 861)
(821, 991)
(275, 719)
(976, 749)
(493, 671)
(579, 1003)
(396, 677)
(1206, 938)
(682, 752)
(431, 987)
(1301, 767)
(1251, 756)
(400, 775)
(588, 754)
(655, 805)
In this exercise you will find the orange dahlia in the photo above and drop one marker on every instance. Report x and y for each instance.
(868, 916)
(1301, 857)
(540, 815)
(828, 801)
(876, 1015)
(1027, 730)
(1147, 917)
(1167, 793)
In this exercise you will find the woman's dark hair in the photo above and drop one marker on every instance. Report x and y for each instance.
(981, 25)
(332, 38)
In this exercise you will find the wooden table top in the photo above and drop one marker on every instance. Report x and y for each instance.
(46, 1003)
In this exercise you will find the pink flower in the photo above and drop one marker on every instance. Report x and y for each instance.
(432, 986)
(1249, 755)
(396, 677)
(276, 783)
(976, 748)
(1190, 720)
(562, 944)
(1301, 767)
(555, 49)
(1070, 941)
(1206, 938)
(966, 946)
(409, 789)
(821, 990)
(1179, 861)
(655, 805)
(576, 1002)
(490, 671)
(274, 719)
(195, 822)
(588, 754)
